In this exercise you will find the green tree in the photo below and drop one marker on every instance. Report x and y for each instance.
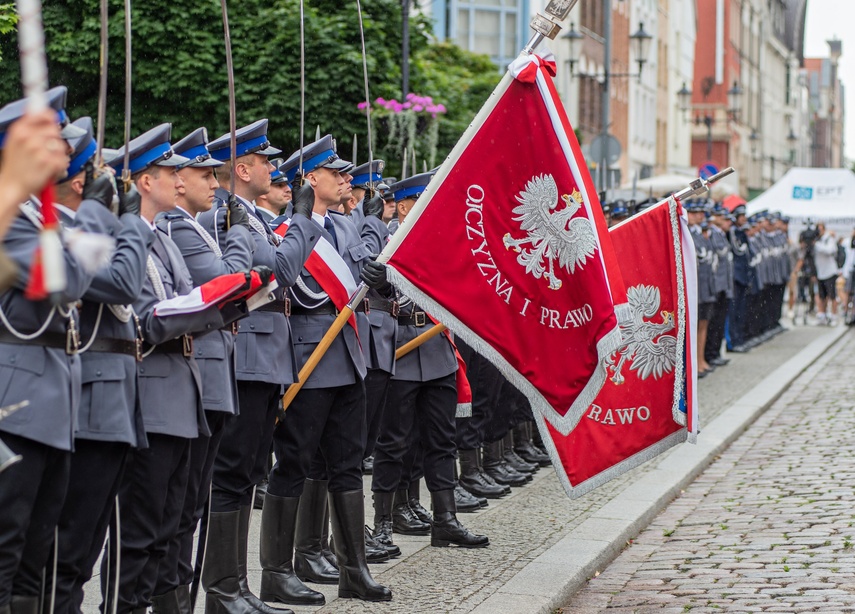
(179, 73)
(8, 19)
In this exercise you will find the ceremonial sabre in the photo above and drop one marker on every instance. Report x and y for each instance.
(7, 456)
(370, 193)
(232, 103)
(126, 167)
(31, 43)
(102, 85)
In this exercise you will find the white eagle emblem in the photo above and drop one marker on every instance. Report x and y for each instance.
(553, 233)
(645, 344)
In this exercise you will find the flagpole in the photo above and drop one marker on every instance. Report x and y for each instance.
(413, 344)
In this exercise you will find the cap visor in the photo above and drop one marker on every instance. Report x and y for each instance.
(269, 151)
(209, 163)
(338, 165)
(174, 160)
(71, 131)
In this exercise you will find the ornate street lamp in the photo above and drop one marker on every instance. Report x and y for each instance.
(574, 40)
(641, 42)
(734, 101)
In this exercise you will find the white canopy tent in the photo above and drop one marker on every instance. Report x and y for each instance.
(674, 182)
(812, 194)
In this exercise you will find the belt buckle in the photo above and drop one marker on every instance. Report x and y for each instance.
(394, 309)
(235, 327)
(138, 351)
(419, 318)
(187, 345)
(367, 306)
(287, 307)
(72, 341)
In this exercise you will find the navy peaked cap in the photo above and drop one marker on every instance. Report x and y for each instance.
(320, 154)
(194, 147)
(251, 139)
(151, 148)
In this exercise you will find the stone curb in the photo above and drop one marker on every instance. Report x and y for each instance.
(552, 578)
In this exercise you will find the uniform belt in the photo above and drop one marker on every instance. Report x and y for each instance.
(277, 307)
(182, 345)
(381, 304)
(68, 341)
(116, 346)
(414, 318)
(327, 309)
(231, 328)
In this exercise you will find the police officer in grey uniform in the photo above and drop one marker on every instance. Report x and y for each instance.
(265, 357)
(329, 412)
(152, 491)
(109, 423)
(741, 281)
(214, 353)
(38, 365)
(422, 399)
(706, 290)
(723, 284)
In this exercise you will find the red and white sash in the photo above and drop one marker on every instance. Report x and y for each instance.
(329, 269)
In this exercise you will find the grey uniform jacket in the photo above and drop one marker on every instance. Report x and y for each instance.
(109, 406)
(47, 377)
(706, 256)
(214, 353)
(723, 272)
(170, 383)
(344, 361)
(430, 360)
(263, 348)
(380, 348)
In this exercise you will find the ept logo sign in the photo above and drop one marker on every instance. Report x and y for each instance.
(802, 193)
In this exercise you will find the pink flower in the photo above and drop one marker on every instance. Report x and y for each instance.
(418, 108)
(380, 101)
(362, 106)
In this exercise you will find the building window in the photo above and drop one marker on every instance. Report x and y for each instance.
(492, 27)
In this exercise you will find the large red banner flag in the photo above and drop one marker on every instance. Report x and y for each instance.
(508, 247)
(648, 403)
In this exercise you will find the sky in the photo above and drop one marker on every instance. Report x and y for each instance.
(825, 19)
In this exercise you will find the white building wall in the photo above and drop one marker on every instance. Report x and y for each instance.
(681, 48)
(642, 94)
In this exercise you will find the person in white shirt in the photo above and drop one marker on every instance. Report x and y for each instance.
(825, 256)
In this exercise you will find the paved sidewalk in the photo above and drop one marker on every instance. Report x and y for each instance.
(769, 526)
(544, 547)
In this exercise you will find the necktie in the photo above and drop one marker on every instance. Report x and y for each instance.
(330, 228)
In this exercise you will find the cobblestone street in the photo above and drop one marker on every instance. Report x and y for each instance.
(769, 526)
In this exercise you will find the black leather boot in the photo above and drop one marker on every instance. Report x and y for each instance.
(167, 603)
(278, 581)
(513, 459)
(524, 447)
(416, 504)
(24, 604)
(464, 501)
(183, 595)
(325, 538)
(260, 491)
(348, 522)
(473, 479)
(243, 537)
(6, 609)
(446, 529)
(496, 467)
(383, 518)
(310, 565)
(404, 519)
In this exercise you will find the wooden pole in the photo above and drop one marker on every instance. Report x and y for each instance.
(426, 336)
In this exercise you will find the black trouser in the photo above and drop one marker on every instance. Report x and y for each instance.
(241, 462)
(486, 383)
(715, 330)
(32, 493)
(737, 315)
(151, 498)
(177, 568)
(376, 387)
(753, 316)
(331, 420)
(426, 408)
(501, 415)
(97, 468)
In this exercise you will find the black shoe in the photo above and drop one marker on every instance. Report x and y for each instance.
(375, 552)
(474, 480)
(446, 529)
(464, 501)
(514, 459)
(260, 491)
(279, 583)
(310, 565)
(382, 533)
(719, 362)
(348, 521)
(739, 349)
(368, 465)
(419, 510)
(404, 520)
(525, 449)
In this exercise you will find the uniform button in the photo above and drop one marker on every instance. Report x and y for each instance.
(97, 373)
(299, 338)
(142, 369)
(12, 360)
(208, 326)
(252, 326)
(199, 353)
